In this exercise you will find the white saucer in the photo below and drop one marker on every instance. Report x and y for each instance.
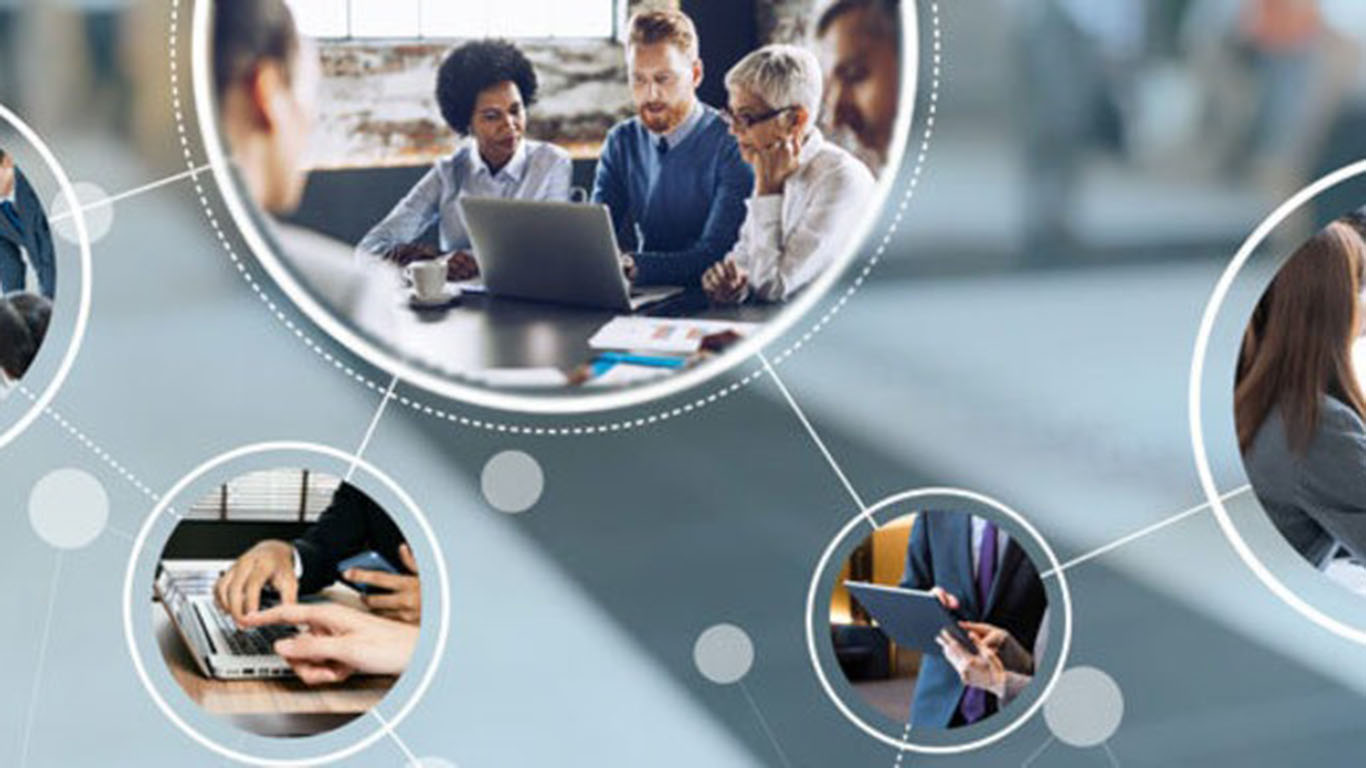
(448, 298)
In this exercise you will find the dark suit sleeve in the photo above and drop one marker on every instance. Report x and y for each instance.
(610, 189)
(734, 184)
(351, 524)
(919, 563)
(46, 260)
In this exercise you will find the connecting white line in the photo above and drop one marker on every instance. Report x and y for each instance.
(42, 658)
(1037, 753)
(1155, 527)
(370, 430)
(389, 730)
(108, 201)
(763, 722)
(810, 430)
(1110, 753)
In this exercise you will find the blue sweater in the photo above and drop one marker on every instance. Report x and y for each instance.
(679, 213)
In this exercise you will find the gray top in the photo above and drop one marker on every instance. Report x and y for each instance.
(1317, 500)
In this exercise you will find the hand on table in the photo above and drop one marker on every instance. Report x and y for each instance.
(269, 563)
(725, 283)
(407, 253)
(628, 267)
(404, 601)
(461, 266)
(337, 642)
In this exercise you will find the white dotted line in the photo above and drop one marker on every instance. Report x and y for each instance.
(99, 452)
(901, 753)
(597, 429)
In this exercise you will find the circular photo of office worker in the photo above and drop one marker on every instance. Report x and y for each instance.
(1299, 404)
(556, 207)
(287, 602)
(939, 620)
(40, 237)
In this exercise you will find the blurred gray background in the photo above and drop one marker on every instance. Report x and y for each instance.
(1028, 336)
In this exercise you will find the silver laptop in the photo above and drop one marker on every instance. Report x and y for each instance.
(557, 252)
(220, 649)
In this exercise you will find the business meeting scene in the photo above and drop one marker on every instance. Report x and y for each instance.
(937, 619)
(28, 272)
(1299, 405)
(287, 602)
(560, 195)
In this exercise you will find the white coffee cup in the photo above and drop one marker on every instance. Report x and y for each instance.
(429, 279)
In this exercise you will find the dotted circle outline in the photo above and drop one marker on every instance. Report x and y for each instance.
(1196, 390)
(936, 71)
(904, 744)
(387, 726)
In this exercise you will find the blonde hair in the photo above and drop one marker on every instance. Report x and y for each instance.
(664, 25)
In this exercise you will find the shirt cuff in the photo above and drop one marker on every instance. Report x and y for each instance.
(766, 208)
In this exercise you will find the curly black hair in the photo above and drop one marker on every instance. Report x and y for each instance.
(474, 67)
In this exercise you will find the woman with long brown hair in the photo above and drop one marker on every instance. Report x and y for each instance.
(1300, 412)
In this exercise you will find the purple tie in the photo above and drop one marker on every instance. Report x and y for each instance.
(974, 704)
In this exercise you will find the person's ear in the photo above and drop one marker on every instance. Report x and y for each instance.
(800, 120)
(697, 73)
(266, 89)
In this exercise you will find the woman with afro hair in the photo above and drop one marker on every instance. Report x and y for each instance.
(484, 89)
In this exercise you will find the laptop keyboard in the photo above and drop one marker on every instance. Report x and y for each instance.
(258, 641)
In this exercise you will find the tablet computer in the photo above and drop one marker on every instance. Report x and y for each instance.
(910, 617)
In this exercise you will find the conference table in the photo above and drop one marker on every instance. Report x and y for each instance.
(484, 333)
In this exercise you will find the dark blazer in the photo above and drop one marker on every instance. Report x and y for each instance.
(940, 554)
(350, 525)
(35, 237)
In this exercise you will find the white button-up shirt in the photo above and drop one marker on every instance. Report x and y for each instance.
(787, 240)
(538, 171)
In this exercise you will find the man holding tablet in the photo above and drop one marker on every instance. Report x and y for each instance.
(982, 576)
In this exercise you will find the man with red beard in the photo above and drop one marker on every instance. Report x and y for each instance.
(672, 176)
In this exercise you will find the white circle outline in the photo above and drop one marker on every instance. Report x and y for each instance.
(1197, 428)
(443, 626)
(1054, 568)
(83, 312)
(447, 385)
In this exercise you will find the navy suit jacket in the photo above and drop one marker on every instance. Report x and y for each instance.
(35, 237)
(350, 525)
(940, 554)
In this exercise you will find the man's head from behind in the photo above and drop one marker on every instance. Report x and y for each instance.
(24, 318)
(6, 174)
(664, 66)
(862, 45)
(265, 77)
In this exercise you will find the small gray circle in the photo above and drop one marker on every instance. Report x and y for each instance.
(723, 654)
(68, 508)
(432, 762)
(1085, 708)
(512, 482)
(96, 207)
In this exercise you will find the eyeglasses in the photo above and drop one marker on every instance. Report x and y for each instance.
(748, 120)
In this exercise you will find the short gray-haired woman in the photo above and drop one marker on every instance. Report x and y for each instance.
(808, 193)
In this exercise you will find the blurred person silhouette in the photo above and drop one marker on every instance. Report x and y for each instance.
(266, 77)
(1077, 63)
(28, 260)
(1299, 408)
(861, 44)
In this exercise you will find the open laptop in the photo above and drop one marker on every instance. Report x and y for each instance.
(564, 253)
(220, 649)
